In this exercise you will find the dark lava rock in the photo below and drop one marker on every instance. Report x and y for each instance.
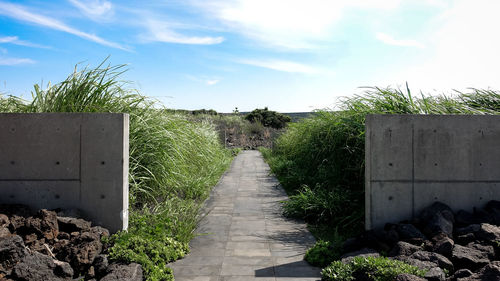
(442, 244)
(435, 274)
(4, 220)
(16, 223)
(403, 249)
(408, 277)
(441, 222)
(489, 251)
(4, 232)
(12, 251)
(462, 273)
(473, 228)
(464, 218)
(36, 266)
(488, 232)
(101, 264)
(131, 272)
(465, 257)
(69, 224)
(490, 272)
(436, 207)
(435, 258)
(63, 269)
(366, 252)
(409, 233)
(49, 226)
(465, 239)
(493, 209)
(82, 250)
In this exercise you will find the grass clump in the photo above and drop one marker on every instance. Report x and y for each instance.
(165, 150)
(369, 268)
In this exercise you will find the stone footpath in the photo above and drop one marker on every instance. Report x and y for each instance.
(243, 235)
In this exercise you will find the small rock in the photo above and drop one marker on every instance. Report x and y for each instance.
(131, 272)
(408, 277)
(49, 225)
(366, 252)
(63, 269)
(16, 222)
(403, 249)
(4, 232)
(4, 220)
(473, 228)
(435, 274)
(486, 249)
(465, 239)
(439, 260)
(409, 233)
(464, 257)
(36, 266)
(441, 222)
(69, 224)
(443, 245)
(488, 232)
(491, 272)
(464, 218)
(437, 207)
(12, 251)
(101, 264)
(462, 273)
(63, 235)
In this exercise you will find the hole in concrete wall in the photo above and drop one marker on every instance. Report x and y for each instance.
(12, 162)
(12, 130)
(103, 163)
(58, 129)
(435, 131)
(57, 196)
(390, 198)
(435, 164)
(435, 198)
(480, 164)
(390, 164)
(58, 163)
(102, 196)
(12, 196)
(480, 198)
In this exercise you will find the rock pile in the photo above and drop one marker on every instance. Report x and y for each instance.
(454, 247)
(45, 246)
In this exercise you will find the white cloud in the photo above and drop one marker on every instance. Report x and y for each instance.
(20, 13)
(159, 31)
(95, 9)
(281, 65)
(464, 50)
(389, 40)
(211, 82)
(15, 40)
(291, 24)
(15, 61)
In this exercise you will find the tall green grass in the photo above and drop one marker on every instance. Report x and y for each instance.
(173, 162)
(320, 160)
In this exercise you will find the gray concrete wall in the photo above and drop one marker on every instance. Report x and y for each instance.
(69, 161)
(415, 160)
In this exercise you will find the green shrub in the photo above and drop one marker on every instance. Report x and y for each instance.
(373, 268)
(323, 253)
(268, 118)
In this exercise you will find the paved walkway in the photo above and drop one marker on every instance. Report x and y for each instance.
(244, 236)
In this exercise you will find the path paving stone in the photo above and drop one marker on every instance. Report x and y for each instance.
(243, 235)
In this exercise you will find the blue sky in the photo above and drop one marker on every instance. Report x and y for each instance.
(293, 55)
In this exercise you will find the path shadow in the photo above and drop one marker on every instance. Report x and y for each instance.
(291, 270)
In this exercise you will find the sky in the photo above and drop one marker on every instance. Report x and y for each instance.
(288, 55)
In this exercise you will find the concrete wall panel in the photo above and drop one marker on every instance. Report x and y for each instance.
(67, 160)
(454, 159)
(396, 199)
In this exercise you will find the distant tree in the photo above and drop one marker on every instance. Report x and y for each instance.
(236, 111)
(204, 111)
(268, 118)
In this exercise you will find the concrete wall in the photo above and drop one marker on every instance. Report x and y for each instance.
(69, 161)
(415, 160)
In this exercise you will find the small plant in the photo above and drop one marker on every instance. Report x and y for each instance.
(369, 268)
(323, 253)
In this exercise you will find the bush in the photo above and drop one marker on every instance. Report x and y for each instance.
(369, 268)
(323, 253)
(268, 118)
